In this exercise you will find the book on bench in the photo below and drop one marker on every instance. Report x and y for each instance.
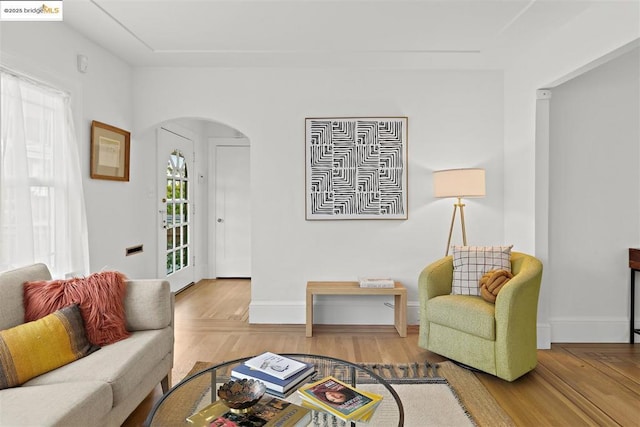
(376, 282)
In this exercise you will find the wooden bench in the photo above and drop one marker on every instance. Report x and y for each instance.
(353, 288)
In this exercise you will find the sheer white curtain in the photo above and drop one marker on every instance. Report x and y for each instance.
(42, 211)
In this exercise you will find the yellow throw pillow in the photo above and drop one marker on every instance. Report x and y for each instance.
(33, 348)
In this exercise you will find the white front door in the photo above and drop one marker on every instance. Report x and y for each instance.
(233, 211)
(175, 190)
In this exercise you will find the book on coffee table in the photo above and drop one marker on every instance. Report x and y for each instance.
(275, 365)
(274, 385)
(268, 412)
(339, 399)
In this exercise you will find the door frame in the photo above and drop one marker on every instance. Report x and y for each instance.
(212, 143)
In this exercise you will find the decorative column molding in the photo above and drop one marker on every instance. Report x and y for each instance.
(543, 94)
(542, 131)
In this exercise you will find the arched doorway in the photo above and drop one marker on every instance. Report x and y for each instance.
(217, 177)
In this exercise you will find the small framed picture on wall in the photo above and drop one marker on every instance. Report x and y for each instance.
(109, 152)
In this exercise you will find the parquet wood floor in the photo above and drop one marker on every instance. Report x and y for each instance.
(573, 385)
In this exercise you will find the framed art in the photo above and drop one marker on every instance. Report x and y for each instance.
(356, 168)
(109, 152)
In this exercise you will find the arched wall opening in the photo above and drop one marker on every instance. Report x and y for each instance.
(206, 134)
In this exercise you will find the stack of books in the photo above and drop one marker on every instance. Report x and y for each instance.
(279, 374)
(339, 399)
(376, 282)
(268, 412)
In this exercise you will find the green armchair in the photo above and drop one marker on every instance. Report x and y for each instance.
(499, 338)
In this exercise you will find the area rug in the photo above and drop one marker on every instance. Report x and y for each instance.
(440, 394)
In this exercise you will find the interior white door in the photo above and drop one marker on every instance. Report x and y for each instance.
(176, 226)
(233, 211)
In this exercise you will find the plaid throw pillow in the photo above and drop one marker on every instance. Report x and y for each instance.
(471, 262)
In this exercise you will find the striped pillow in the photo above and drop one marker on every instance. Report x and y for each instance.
(37, 347)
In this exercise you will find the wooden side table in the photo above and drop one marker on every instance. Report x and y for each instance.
(353, 288)
(634, 265)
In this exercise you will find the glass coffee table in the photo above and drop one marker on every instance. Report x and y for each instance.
(193, 393)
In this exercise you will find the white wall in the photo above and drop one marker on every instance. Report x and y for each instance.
(601, 29)
(594, 205)
(119, 214)
(455, 120)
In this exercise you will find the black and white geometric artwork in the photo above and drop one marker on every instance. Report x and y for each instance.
(356, 168)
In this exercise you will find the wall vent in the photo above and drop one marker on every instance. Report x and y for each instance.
(132, 250)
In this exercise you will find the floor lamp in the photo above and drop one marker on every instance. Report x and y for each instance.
(458, 183)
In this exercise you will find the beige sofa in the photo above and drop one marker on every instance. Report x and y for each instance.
(105, 387)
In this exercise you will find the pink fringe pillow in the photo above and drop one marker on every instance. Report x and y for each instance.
(101, 300)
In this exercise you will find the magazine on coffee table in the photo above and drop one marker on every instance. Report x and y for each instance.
(275, 365)
(268, 412)
(339, 399)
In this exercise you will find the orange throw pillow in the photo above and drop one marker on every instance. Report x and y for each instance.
(492, 282)
(100, 297)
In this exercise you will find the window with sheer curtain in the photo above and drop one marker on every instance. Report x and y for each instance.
(42, 211)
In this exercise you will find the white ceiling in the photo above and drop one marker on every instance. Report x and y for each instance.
(318, 33)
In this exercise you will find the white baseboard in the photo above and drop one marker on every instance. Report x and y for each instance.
(277, 312)
(544, 336)
(376, 312)
(582, 330)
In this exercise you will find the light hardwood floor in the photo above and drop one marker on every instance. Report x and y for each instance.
(573, 384)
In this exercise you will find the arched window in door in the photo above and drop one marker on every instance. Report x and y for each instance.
(178, 213)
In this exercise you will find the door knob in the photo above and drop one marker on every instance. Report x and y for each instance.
(220, 220)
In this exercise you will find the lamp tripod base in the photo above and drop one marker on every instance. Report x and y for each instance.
(459, 205)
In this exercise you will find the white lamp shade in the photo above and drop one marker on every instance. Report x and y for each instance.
(459, 183)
